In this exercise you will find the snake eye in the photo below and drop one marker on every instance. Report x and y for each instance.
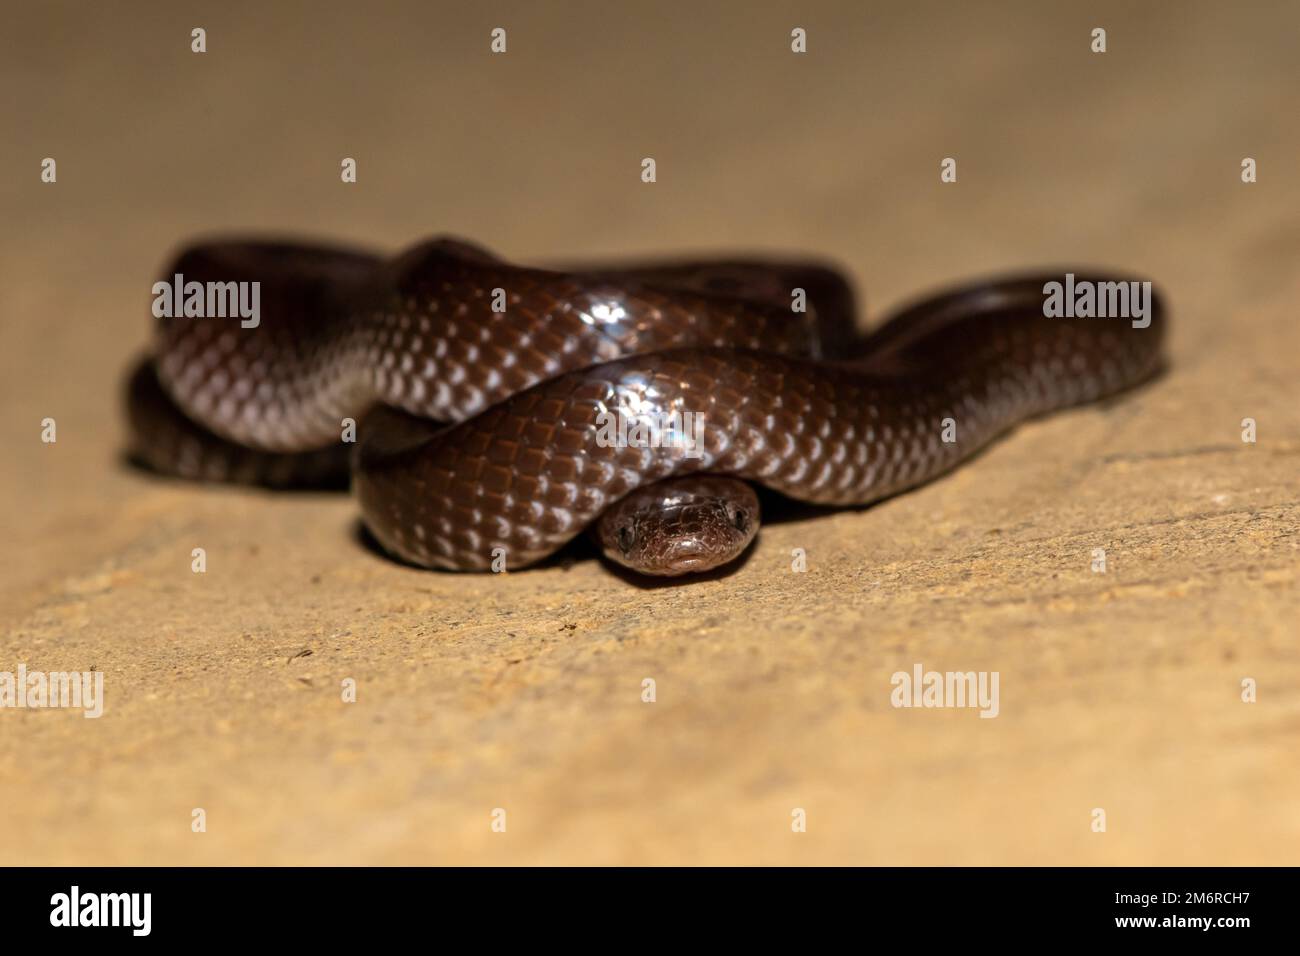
(625, 538)
(740, 519)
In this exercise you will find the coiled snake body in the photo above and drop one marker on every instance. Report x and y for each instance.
(480, 392)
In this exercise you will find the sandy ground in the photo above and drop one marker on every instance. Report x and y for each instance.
(1120, 691)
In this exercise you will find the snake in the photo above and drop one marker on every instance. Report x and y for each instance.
(487, 413)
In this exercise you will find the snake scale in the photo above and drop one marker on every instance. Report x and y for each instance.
(479, 393)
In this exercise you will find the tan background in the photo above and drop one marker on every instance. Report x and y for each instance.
(1119, 691)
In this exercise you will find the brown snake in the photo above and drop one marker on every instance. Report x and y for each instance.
(532, 368)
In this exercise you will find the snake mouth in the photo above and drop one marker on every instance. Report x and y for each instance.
(691, 556)
(688, 564)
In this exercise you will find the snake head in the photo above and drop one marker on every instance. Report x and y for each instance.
(680, 525)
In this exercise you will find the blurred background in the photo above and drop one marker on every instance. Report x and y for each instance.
(1129, 159)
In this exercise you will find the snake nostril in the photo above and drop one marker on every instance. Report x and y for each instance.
(740, 520)
(625, 539)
